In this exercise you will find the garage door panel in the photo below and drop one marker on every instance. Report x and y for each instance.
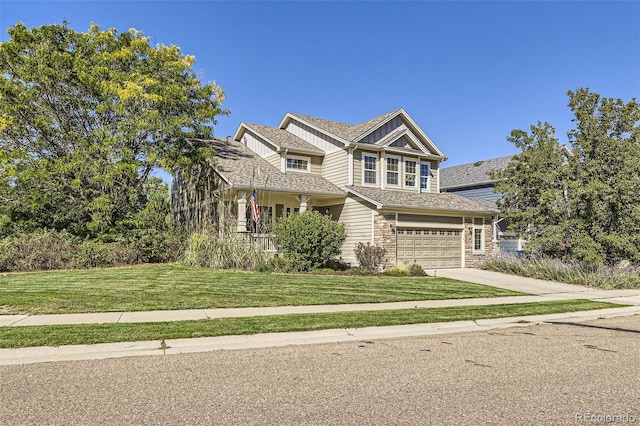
(430, 248)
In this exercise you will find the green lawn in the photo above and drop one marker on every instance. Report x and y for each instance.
(58, 335)
(163, 287)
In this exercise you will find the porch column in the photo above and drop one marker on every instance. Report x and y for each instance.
(303, 199)
(242, 211)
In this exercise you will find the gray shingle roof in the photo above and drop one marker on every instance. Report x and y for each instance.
(424, 201)
(243, 169)
(344, 130)
(471, 174)
(284, 139)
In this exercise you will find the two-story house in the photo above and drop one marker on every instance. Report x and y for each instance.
(381, 178)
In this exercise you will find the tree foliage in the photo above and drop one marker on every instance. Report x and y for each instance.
(310, 240)
(586, 205)
(85, 118)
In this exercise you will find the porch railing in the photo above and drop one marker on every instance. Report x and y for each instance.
(260, 241)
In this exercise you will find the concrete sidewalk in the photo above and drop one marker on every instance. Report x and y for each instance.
(540, 290)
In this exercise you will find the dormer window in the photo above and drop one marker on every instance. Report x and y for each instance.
(370, 172)
(298, 164)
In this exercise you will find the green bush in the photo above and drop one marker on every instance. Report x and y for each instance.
(309, 240)
(417, 271)
(370, 256)
(361, 272)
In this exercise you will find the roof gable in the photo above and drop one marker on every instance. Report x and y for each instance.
(376, 131)
(280, 139)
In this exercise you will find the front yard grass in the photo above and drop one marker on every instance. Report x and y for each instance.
(169, 287)
(58, 335)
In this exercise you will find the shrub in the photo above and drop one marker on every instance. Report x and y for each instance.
(228, 251)
(398, 270)
(370, 256)
(309, 240)
(361, 272)
(39, 250)
(417, 271)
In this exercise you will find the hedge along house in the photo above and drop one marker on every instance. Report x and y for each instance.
(380, 178)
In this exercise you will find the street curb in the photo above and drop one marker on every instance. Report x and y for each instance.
(206, 344)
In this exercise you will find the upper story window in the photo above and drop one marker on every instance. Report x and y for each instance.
(424, 176)
(299, 164)
(410, 174)
(393, 171)
(369, 169)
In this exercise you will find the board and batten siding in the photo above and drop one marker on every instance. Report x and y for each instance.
(358, 222)
(314, 137)
(257, 144)
(384, 130)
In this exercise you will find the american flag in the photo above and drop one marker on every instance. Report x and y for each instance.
(255, 212)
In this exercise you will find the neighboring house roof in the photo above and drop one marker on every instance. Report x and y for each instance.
(422, 201)
(282, 139)
(471, 174)
(241, 168)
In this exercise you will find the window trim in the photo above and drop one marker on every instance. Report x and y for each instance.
(297, 157)
(398, 172)
(428, 187)
(476, 228)
(414, 174)
(365, 170)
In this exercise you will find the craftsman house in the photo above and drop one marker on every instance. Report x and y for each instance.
(381, 178)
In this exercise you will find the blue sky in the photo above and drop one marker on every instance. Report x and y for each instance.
(467, 72)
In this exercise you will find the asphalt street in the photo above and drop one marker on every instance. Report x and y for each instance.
(549, 374)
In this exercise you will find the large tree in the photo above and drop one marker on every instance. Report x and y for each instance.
(586, 205)
(85, 118)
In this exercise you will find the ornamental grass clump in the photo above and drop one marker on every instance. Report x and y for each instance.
(222, 251)
(622, 275)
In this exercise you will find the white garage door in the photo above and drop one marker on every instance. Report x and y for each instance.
(430, 248)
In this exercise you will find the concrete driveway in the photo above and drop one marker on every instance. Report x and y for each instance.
(555, 374)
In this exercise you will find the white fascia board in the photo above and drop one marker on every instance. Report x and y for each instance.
(290, 116)
(422, 133)
(276, 147)
(373, 129)
(241, 129)
(364, 197)
(395, 138)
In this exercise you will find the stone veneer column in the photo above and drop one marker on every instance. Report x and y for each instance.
(384, 234)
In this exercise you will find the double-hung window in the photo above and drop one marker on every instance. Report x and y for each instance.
(424, 176)
(410, 174)
(299, 164)
(370, 171)
(393, 171)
